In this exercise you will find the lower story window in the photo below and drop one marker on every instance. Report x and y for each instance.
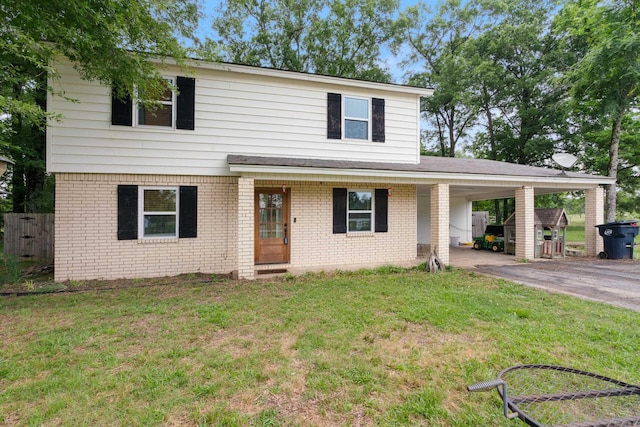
(359, 211)
(155, 212)
(159, 208)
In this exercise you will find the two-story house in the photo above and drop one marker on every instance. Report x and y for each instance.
(251, 170)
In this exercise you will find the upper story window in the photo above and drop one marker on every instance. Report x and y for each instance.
(356, 118)
(363, 118)
(161, 114)
(175, 110)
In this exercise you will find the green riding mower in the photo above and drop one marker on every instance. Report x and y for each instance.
(493, 238)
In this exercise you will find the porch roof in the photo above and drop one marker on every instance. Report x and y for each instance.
(428, 164)
(474, 179)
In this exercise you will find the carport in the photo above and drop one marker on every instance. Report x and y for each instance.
(458, 182)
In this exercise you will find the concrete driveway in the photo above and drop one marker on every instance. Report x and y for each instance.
(615, 282)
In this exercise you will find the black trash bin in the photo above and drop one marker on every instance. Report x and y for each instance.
(618, 238)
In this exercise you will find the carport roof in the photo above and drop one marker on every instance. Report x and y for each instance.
(429, 166)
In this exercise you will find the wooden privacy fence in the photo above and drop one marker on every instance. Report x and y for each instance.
(29, 236)
(479, 221)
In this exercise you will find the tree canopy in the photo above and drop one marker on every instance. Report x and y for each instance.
(336, 38)
(437, 44)
(517, 80)
(604, 81)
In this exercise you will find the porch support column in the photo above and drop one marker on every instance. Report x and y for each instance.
(246, 263)
(525, 223)
(593, 215)
(440, 220)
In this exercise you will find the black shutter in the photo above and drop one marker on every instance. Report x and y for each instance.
(188, 227)
(127, 212)
(382, 203)
(339, 210)
(121, 110)
(186, 103)
(334, 116)
(377, 106)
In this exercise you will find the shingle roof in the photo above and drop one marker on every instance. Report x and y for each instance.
(550, 217)
(545, 217)
(447, 165)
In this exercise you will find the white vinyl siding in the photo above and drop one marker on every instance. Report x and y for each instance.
(234, 113)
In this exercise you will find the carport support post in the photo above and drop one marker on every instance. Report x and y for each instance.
(593, 215)
(246, 260)
(525, 228)
(440, 220)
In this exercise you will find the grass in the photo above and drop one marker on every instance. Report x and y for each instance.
(575, 229)
(377, 347)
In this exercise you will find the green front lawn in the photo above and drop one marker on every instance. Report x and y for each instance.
(373, 348)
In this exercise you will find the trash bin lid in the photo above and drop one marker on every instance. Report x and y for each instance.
(626, 222)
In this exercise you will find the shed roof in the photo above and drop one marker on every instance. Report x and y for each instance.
(545, 217)
(551, 217)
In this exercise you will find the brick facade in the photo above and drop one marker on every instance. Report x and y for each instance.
(594, 215)
(525, 223)
(87, 247)
(440, 220)
(245, 268)
(86, 229)
(314, 246)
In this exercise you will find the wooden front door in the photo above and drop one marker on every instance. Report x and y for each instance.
(271, 226)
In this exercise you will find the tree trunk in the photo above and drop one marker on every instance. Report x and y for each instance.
(452, 139)
(612, 171)
(505, 210)
(441, 140)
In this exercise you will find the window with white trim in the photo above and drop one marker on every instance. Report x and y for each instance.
(359, 211)
(176, 110)
(158, 209)
(148, 212)
(350, 117)
(356, 118)
(162, 114)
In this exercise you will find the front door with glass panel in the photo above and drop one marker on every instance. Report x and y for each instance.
(271, 226)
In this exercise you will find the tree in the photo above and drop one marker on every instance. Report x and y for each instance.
(595, 139)
(329, 37)
(605, 79)
(437, 46)
(522, 113)
(108, 41)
